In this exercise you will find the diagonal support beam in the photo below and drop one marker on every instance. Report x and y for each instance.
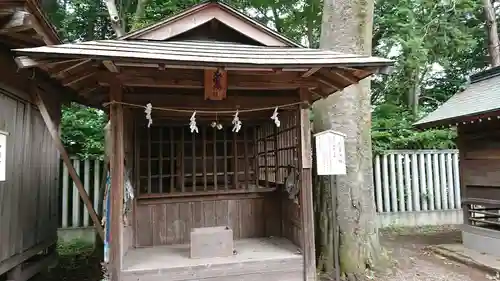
(64, 155)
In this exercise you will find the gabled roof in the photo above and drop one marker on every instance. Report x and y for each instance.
(481, 97)
(203, 13)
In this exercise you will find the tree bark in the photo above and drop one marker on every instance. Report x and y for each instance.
(139, 14)
(347, 27)
(492, 31)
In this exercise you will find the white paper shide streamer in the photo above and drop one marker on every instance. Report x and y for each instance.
(236, 122)
(192, 123)
(275, 118)
(148, 110)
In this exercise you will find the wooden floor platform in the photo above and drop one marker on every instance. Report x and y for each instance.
(260, 259)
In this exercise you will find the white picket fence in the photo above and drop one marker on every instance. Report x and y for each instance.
(417, 187)
(419, 180)
(73, 212)
(412, 187)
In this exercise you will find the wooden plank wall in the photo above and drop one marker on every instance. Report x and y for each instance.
(170, 222)
(28, 198)
(479, 146)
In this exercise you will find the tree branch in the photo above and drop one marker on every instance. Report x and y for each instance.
(491, 28)
(114, 17)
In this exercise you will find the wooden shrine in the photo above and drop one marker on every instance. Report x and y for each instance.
(229, 104)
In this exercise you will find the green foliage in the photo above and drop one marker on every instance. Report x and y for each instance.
(83, 130)
(392, 129)
(420, 35)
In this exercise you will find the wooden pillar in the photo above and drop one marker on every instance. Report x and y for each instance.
(306, 191)
(463, 186)
(117, 170)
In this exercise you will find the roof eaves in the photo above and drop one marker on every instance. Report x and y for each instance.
(427, 124)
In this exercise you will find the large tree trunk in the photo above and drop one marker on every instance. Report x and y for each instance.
(491, 28)
(347, 27)
(139, 14)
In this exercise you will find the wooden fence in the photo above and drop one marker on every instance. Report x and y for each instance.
(405, 181)
(73, 212)
(416, 180)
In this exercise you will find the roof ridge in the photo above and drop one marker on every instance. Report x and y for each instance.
(222, 5)
(485, 74)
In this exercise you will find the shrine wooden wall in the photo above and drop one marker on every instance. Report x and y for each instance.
(479, 145)
(28, 197)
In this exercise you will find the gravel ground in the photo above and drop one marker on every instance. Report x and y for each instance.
(413, 262)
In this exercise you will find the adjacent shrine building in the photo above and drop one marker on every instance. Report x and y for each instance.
(29, 162)
(475, 112)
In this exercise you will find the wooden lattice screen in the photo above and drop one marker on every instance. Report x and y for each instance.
(173, 161)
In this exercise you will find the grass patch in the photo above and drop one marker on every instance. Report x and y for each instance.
(78, 260)
(75, 247)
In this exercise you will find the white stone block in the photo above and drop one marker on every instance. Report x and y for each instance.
(209, 242)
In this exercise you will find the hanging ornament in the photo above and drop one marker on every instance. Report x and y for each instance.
(216, 123)
(275, 117)
(148, 110)
(236, 122)
(192, 123)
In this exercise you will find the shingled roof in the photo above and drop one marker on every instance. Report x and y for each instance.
(480, 98)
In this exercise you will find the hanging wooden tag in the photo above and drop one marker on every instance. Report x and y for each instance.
(215, 84)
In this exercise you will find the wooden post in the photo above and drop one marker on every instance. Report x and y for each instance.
(306, 194)
(117, 170)
(64, 155)
(463, 186)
